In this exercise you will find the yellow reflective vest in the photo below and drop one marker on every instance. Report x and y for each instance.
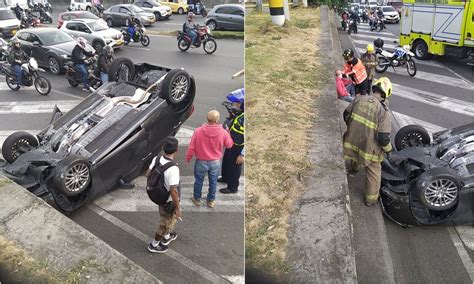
(367, 116)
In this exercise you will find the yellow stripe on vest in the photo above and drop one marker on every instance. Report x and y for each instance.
(364, 121)
(364, 155)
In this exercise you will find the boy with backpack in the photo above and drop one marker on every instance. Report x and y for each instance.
(163, 185)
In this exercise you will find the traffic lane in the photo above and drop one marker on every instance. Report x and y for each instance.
(196, 241)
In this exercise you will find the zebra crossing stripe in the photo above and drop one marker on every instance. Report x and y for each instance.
(29, 107)
(366, 42)
(385, 39)
(435, 78)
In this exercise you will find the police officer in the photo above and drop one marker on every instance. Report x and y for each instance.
(355, 69)
(234, 157)
(368, 135)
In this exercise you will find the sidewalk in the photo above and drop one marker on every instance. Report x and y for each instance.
(322, 250)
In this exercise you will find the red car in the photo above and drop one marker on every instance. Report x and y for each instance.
(71, 15)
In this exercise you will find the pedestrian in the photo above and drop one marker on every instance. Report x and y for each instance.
(345, 93)
(368, 135)
(105, 60)
(206, 144)
(235, 156)
(170, 212)
(355, 69)
(370, 62)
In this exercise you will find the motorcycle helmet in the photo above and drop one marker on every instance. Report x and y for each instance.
(15, 41)
(348, 54)
(370, 47)
(190, 15)
(378, 43)
(81, 42)
(237, 96)
(383, 85)
(108, 51)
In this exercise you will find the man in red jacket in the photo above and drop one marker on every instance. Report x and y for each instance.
(345, 90)
(206, 144)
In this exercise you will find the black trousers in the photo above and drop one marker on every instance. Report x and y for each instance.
(230, 170)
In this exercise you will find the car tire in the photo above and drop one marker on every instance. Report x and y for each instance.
(212, 25)
(180, 11)
(17, 144)
(438, 189)
(411, 136)
(420, 49)
(176, 87)
(97, 45)
(110, 23)
(54, 66)
(158, 16)
(116, 69)
(72, 176)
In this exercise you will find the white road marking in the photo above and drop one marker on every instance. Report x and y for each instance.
(373, 37)
(366, 42)
(235, 279)
(466, 260)
(36, 106)
(186, 262)
(435, 78)
(136, 47)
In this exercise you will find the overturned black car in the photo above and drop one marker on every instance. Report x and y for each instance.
(430, 183)
(112, 134)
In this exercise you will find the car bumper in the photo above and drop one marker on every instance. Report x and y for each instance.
(147, 22)
(392, 19)
(396, 207)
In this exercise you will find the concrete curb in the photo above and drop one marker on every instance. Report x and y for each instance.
(321, 248)
(50, 237)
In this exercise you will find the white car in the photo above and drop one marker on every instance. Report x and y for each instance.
(80, 5)
(160, 11)
(96, 32)
(12, 3)
(9, 24)
(391, 15)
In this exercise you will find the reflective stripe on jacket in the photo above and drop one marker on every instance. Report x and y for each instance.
(367, 116)
(360, 74)
(237, 130)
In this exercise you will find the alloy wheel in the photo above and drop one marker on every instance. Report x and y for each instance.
(179, 88)
(77, 177)
(441, 192)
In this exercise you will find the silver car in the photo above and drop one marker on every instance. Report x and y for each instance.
(96, 32)
(226, 17)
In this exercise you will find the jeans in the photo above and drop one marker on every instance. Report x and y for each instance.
(104, 77)
(193, 35)
(131, 32)
(18, 73)
(351, 89)
(82, 69)
(347, 98)
(201, 168)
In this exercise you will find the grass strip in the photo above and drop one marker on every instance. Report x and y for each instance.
(283, 76)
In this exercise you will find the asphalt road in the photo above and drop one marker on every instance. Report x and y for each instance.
(385, 252)
(210, 245)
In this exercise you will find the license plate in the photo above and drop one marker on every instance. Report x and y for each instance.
(119, 42)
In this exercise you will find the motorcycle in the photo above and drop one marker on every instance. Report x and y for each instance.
(29, 20)
(30, 77)
(401, 57)
(4, 48)
(45, 17)
(198, 9)
(98, 10)
(74, 78)
(139, 36)
(365, 17)
(379, 25)
(352, 26)
(204, 36)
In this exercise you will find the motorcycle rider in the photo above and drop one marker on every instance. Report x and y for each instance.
(355, 69)
(370, 62)
(105, 60)
(191, 29)
(78, 57)
(368, 135)
(354, 17)
(16, 58)
(18, 11)
(132, 24)
(345, 18)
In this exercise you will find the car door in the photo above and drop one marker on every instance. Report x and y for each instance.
(114, 14)
(236, 18)
(222, 17)
(71, 29)
(84, 31)
(124, 14)
(24, 38)
(39, 51)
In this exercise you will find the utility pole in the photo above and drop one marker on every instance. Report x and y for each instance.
(286, 10)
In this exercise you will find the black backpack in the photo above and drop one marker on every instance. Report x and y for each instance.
(155, 184)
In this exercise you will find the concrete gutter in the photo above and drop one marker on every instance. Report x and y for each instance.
(50, 237)
(321, 238)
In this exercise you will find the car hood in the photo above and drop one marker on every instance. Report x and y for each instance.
(394, 13)
(63, 48)
(108, 33)
(9, 23)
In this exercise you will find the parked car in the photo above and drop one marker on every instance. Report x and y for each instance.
(177, 6)
(391, 15)
(95, 32)
(50, 47)
(80, 5)
(160, 11)
(430, 182)
(226, 17)
(113, 133)
(9, 24)
(117, 15)
(66, 16)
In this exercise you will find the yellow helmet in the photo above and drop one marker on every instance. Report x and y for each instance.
(370, 47)
(383, 85)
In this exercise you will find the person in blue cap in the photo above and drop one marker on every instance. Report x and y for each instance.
(234, 157)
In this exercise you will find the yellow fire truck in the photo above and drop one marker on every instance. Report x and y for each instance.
(438, 27)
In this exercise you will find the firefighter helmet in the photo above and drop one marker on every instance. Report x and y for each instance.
(348, 53)
(383, 85)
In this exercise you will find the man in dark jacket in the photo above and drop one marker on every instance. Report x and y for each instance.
(16, 57)
(79, 57)
(105, 60)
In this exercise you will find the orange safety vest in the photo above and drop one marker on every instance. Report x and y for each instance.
(360, 74)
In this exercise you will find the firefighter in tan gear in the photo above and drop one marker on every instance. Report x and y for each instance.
(368, 135)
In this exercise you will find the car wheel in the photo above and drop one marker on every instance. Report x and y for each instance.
(110, 23)
(54, 66)
(421, 49)
(158, 16)
(411, 136)
(438, 189)
(212, 25)
(121, 69)
(180, 11)
(176, 86)
(11, 83)
(98, 46)
(17, 144)
(72, 175)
